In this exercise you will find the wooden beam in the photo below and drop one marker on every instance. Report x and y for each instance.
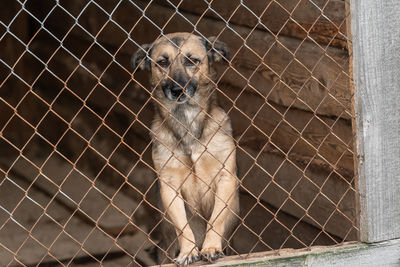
(350, 254)
(58, 234)
(376, 42)
(299, 19)
(301, 133)
(381, 254)
(293, 192)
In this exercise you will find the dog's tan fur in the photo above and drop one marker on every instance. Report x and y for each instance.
(193, 151)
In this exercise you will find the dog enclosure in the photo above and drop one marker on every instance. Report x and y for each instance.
(78, 185)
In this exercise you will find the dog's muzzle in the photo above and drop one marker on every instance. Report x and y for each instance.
(179, 90)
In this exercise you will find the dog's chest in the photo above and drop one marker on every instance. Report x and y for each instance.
(198, 194)
(188, 128)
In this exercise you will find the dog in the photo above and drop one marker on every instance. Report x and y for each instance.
(193, 150)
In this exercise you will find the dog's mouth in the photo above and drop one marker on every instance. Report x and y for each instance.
(179, 93)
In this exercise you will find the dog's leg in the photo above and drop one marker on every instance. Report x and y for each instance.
(221, 177)
(225, 205)
(171, 182)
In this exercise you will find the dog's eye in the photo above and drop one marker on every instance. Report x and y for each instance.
(163, 63)
(191, 62)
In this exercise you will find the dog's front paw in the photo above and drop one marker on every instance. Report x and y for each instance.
(210, 254)
(188, 257)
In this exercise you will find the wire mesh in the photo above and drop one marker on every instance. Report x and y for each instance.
(78, 183)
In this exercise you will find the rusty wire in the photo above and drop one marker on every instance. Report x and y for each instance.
(13, 177)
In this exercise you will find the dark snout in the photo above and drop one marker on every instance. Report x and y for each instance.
(179, 89)
(174, 89)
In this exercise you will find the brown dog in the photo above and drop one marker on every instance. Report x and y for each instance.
(193, 150)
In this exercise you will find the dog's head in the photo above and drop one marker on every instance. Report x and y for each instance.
(180, 63)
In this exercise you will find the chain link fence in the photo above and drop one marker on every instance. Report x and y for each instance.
(78, 186)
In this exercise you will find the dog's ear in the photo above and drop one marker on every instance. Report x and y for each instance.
(217, 50)
(141, 58)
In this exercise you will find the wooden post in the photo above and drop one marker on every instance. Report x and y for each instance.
(376, 46)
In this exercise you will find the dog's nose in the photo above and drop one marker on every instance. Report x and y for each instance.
(176, 90)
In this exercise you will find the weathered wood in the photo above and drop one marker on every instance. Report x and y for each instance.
(291, 72)
(325, 171)
(302, 133)
(137, 245)
(347, 255)
(377, 254)
(376, 41)
(111, 221)
(286, 17)
(79, 226)
(27, 220)
(353, 118)
(259, 215)
(294, 193)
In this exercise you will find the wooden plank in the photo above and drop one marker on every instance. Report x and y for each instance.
(376, 41)
(111, 221)
(293, 193)
(79, 231)
(291, 72)
(348, 255)
(285, 17)
(325, 172)
(353, 118)
(378, 254)
(45, 230)
(300, 129)
(270, 232)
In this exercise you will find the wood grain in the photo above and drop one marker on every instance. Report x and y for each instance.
(292, 131)
(57, 227)
(293, 192)
(376, 78)
(285, 17)
(286, 153)
(378, 254)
